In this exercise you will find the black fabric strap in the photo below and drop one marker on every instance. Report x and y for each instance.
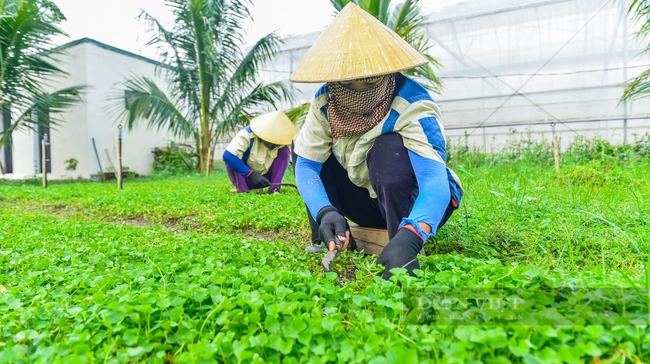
(323, 211)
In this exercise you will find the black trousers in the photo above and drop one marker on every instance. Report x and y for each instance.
(392, 178)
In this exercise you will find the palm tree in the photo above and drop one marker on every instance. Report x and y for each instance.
(212, 76)
(26, 66)
(640, 86)
(405, 19)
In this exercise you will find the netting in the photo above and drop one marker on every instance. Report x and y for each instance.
(513, 67)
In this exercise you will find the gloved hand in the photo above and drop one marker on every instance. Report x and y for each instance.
(258, 180)
(332, 225)
(401, 251)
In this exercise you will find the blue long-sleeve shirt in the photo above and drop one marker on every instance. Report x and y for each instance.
(414, 116)
(429, 206)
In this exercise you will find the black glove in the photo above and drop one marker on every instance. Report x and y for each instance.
(258, 180)
(401, 252)
(330, 224)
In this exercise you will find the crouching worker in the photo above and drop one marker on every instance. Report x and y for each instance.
(258, 155)
(372, 148)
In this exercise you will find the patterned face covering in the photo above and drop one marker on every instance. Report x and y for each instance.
(354, 112)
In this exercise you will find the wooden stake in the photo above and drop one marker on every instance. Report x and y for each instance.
(556, 149)
(118, 171)
(44, 159)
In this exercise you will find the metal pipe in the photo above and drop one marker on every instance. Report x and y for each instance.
(101, 171)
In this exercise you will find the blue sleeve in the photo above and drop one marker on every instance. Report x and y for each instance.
(235, 163)
(310, 185)
(434, 196)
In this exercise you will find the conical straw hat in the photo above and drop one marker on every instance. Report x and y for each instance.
(355, 45)
(274, 127)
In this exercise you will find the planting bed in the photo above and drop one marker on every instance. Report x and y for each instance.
(533, 268)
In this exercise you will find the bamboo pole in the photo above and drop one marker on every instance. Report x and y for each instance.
(110, 160)
(44, 159)
(118, 171)
(101, 171)
(556, 149)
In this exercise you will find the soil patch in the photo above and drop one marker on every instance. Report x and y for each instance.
(138, 221)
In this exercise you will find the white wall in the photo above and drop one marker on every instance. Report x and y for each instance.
(105, 70)
(23, 154)
(101, 69)
(69, 139)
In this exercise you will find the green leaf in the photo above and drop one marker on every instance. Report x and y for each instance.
(253, 317)
(176, 313)
(135, 352)
(224, 305)
(130, 337)
(282, 345)
(115, 318)
(570, 355)
(13, 354)
(547, 331)
(518, 348)
(163, 303)
(330, 323)
(259, 340)
(592, 349)
(304, 337)
(532, 273)
(594, 332)
(272, 324)
(74, 311)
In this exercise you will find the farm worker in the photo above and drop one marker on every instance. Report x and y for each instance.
(372, 148)
(258, 155)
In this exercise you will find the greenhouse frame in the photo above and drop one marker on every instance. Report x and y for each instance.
(516, 69)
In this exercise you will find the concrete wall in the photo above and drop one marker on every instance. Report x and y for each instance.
(101, 68)
(102, 112)
(69, 140)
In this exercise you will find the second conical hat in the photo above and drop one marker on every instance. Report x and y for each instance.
(355, 45)
(274, 127)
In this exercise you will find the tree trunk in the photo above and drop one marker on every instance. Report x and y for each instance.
(199, 162)
(205, 152)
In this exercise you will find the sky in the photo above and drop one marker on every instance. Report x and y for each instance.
(114, 22)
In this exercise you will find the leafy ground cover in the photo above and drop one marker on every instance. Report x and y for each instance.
(534, 268)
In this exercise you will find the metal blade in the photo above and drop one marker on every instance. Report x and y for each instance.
(328, 258)
(284, 184)
(315, 249)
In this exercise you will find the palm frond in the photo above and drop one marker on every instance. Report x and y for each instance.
(27, 64)
(340, 4)
(24, 37)
(213, 78)
(298, 113)
(184, 75)
(262, 98)
(244, 75)
(640, 11)
(45, 110)
(148, 102)
(638, 88)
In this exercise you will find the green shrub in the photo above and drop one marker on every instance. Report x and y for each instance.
(540, 152)
(174, 159)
